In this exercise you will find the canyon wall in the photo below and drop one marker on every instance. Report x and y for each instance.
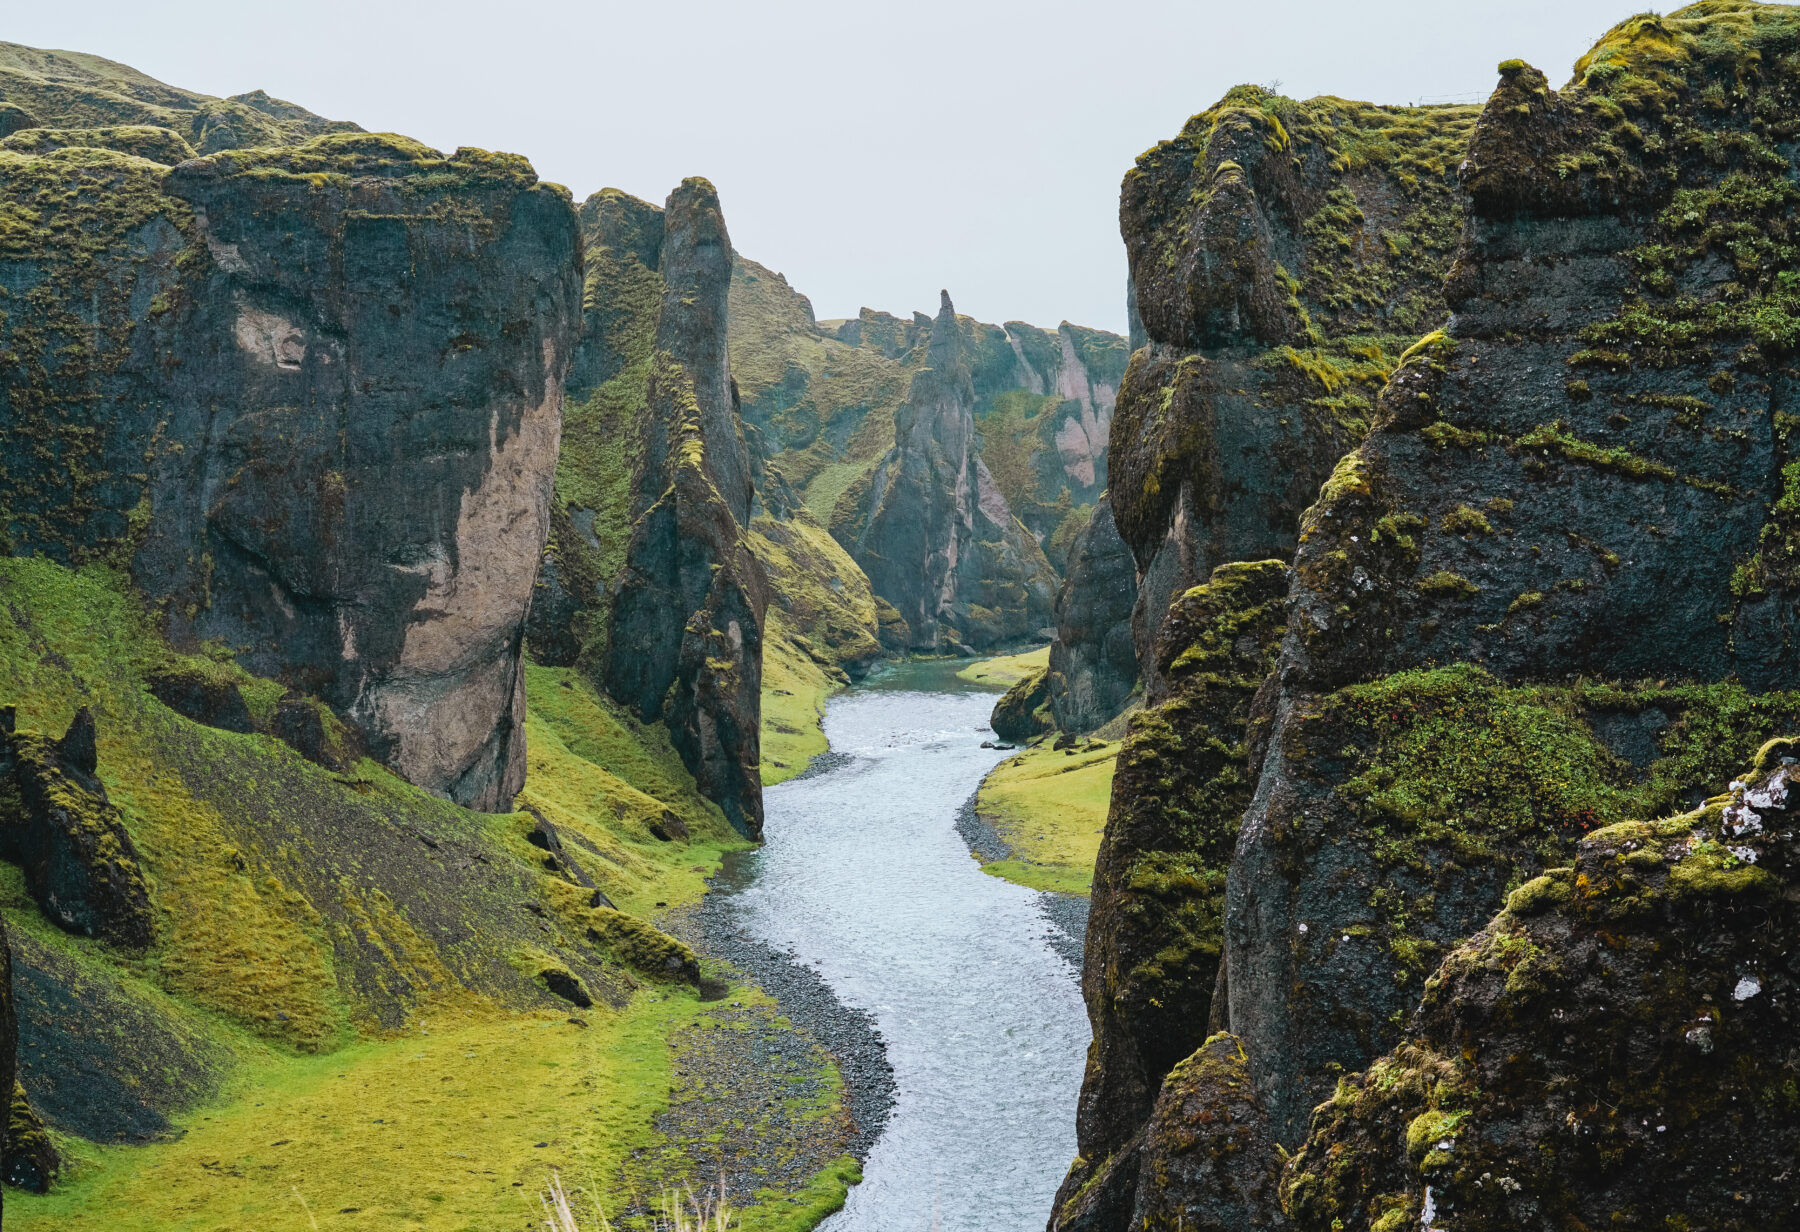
(312, 396)
(1543, 597)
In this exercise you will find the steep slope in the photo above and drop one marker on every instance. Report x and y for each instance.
(933, 531)
(312, 395)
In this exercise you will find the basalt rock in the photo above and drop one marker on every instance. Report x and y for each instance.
(1207, 1162)
(57, 824)
(1093, 661)
(1586, 479)
(1282, 255)
(1023, 712)
(31, 1161)
(685, 632)
(1615, 1049)
(311, 395)
(938, 539)
(1156, 924)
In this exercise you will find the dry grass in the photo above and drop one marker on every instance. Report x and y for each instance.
(682, 1211)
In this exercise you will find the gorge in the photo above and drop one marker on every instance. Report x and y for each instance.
(496, 694)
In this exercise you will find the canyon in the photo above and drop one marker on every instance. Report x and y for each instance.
(414, 578)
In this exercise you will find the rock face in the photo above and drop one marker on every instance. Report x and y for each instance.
(938, 539)
(1093, 661)
(823, 397)
(649, 581)
(1156, 923)
(1613, 1050)
(325, 440)
(1587, 479)
(1546, 594)
(687, 617)
(1282, 256)
(58, 826)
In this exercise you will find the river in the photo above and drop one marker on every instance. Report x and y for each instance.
(865, 879)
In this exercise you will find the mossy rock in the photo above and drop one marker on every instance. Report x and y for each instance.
(1615, 1049)
(32, 1161)
(1024, 712)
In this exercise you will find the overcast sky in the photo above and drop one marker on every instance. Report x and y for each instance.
(871, 152)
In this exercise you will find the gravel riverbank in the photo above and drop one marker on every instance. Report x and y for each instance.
(848, 1034)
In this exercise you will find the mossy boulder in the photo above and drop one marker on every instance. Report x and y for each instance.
(1207, 1162)
(31, 1159)
(202, 691)
(58, 825)
(1024, 712)
(1615, 1049)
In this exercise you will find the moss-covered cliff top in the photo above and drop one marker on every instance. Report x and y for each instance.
(159, 145)
(74, 90)
(1345, 210)
(341, 156)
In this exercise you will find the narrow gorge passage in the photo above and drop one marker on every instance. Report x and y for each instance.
(865, 879)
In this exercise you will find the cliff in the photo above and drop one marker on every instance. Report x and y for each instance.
(823, 397)
(1542, 597)
(649, 582)
(1583, 480)
(931, 528)
(1282, 254)
(311, 397)
(1093, 661)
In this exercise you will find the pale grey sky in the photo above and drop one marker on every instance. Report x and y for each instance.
(871, 152)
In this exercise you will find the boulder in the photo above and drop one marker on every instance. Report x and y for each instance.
(1023, 713)
(31, 1161)
(57, 824)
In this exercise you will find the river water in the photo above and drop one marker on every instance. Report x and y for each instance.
(864, 878)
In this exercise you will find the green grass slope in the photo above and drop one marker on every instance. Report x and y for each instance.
(343, 1020)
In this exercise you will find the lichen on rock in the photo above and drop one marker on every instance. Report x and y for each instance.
(1613, 1049)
